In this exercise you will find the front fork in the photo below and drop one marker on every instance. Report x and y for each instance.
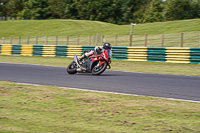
(76, 61)
(80, 68)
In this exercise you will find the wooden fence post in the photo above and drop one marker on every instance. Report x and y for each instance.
(89, 41)
(10, 39)
(36, 41)
(27, 39)
(131, 34)
(67, 40)
(103, 39)
(56, 40)
(181, 39)
(97, 38)
(145, 42)
(19, 39)
(93, 38)
(3, 40)
(78, 40)
(162, 43)
(130, 40)
(199, 41)
(115, 40)
(46, 40)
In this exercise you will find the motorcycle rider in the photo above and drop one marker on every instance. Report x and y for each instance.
(98, 50)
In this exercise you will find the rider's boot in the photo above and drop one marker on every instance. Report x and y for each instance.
(81, 59)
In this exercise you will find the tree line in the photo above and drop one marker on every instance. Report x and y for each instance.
(112, 11)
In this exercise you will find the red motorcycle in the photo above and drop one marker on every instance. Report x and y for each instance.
(95, 64)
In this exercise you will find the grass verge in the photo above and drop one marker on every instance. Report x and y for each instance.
(132, 66)
(36, 109)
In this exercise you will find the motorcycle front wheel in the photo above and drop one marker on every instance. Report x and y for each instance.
(71, 69)
(96, 70)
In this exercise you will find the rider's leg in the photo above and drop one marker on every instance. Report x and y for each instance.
(87, 54)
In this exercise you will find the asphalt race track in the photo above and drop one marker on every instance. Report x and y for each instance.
(158, 85)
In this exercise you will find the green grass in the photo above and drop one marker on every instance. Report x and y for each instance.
(41, 109)
(132, 66)
(36, 109)
(11, 30)
(83, 27)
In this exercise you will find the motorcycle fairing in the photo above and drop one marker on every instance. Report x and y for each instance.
(94, 60)
(102, 58)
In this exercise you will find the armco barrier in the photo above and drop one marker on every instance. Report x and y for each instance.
(161, 54)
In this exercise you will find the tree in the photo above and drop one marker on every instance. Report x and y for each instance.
(177, 10)
(112, 11)
(57, 8)
(154, 12)
(195, 8)
(14, 7)
(94, 9)
(139, 12)
(104, 10)
(70, 11)
(36, 9)
(3, 7)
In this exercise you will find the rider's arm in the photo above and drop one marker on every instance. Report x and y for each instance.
(91, 52)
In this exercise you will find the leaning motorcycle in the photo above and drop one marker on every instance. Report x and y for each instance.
(95, 64)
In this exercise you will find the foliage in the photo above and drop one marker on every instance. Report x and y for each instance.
(3, 7)
(57, 8)
(36, 9)
(14, 7)
(154, 12)
(112, 11)
(178, 9)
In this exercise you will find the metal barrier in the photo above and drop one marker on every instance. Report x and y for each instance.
(161, 54)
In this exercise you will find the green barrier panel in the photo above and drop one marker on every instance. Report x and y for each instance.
(119, 48)
(37, 50)
(195, 55)
(119, 53)
(195, 61)
(87, 48)
(61, 51)
(195, 51)
(16, 49)
(156, 54)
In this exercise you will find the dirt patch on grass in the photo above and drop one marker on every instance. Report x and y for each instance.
(3, 118)
(87, 100)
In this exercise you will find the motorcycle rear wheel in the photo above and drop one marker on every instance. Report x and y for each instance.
(99, 70)
(71, 69)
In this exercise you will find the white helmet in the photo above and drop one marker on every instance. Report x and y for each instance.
(98, 49)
